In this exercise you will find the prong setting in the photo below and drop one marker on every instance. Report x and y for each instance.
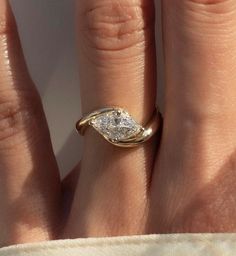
(118, 127)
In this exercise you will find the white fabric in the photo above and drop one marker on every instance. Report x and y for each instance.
(150, 245)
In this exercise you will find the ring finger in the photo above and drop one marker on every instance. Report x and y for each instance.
(117, 63)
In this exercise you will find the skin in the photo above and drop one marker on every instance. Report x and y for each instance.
(182, 180)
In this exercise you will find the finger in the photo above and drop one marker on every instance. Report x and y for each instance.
(199, 132)
(117, 63)
(29, 182)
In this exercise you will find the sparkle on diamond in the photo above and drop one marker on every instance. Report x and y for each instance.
(116, 125)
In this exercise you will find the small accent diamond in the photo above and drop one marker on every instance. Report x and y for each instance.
(116, 125)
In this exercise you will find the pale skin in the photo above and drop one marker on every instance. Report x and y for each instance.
(182, 180)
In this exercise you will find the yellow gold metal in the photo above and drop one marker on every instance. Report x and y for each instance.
(144, 133)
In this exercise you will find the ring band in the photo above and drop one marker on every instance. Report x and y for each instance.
(118, 127)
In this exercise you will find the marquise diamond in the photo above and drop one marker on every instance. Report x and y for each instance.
(116, 125)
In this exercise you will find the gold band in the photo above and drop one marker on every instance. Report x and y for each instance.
(118, 127)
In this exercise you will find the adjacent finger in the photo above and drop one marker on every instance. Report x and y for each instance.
(199, 137)
(29, 180)
(118, 68)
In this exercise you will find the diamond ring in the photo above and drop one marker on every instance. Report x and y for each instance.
(118, 127)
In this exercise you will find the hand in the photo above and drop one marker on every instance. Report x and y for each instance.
(185, 183)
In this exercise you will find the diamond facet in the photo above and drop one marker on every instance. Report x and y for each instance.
(116, 125)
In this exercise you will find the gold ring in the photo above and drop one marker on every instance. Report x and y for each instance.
(118, 127)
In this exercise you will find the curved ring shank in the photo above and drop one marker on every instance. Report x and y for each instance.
(143, 134)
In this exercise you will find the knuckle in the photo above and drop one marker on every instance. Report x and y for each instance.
(20, 115)
(209, 2)
(213, 7)
(204, 21)
(117, 25)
